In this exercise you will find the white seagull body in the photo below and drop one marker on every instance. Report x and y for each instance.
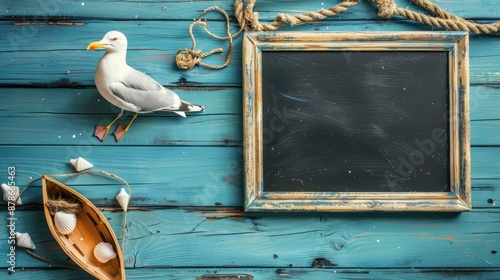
(129, 89)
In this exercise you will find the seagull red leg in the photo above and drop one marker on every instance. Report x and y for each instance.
(121, 130)
(102, 131)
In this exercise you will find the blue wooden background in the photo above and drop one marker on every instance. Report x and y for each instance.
(186, 219)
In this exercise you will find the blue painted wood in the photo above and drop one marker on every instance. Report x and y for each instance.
(191, 237)
(179, 175)
(272, 273)
(158, 130)
(26, 101)
(56, 111)
(187, 198)
(68, 64)
(211, 194)
(175, 9)
(484, 102)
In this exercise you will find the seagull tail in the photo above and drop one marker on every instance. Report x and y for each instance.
(182, 114)
(189, 107)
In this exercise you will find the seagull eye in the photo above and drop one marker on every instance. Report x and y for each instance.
(114, 39)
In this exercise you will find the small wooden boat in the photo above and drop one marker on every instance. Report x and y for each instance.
(91, 229)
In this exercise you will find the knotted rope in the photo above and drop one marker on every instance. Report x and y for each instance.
(249, 20)
(62, 204)
(188, 58)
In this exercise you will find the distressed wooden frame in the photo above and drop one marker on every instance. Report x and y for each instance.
(455, 43)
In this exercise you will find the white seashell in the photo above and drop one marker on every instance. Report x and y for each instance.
(104, 252)
(24, 240)
(123, 198)
(81, 164)
(65, 222)
(11, 192)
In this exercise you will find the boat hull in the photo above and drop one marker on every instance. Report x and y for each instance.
(91, 228)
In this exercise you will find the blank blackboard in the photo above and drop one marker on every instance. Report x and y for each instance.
(356, 121)
(351, 121)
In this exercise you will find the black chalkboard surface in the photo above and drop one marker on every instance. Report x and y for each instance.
(356, 121)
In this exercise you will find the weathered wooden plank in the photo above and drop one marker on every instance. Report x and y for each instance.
(180, 9)
(484, 102)
(204, 176)
(29, 101)
(179, 176)
(56, 63)
(272, 273)
(154, 130)
(62, 113)
(484, 193)
(158, 129)
(192, 237)
(485, 132)
(173, 166)
(68, 117)
(484, 163)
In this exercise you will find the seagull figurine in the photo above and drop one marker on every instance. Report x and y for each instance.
(129, 89)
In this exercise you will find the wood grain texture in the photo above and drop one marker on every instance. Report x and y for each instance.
(186, 219)
(275, 274)
(66, 63)
(191, 237)
(175, 9)
(177, 176)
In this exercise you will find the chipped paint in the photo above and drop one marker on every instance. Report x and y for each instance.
(67, 23)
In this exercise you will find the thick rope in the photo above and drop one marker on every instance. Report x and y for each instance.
(61, 204)
(188, 58)
(387, 8)
(249, 20)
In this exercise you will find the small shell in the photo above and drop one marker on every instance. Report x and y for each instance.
(24, 240)
(104, 252)
(65, 222)
(81, 164)
(123, 198)
(11, 192)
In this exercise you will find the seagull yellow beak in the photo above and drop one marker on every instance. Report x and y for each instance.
(95, 45)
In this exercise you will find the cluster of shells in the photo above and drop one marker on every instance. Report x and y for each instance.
(65, 223)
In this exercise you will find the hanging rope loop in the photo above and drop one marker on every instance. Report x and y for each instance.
(187, 59)
(249, 20)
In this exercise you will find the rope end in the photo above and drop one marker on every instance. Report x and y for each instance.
(186, 60)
